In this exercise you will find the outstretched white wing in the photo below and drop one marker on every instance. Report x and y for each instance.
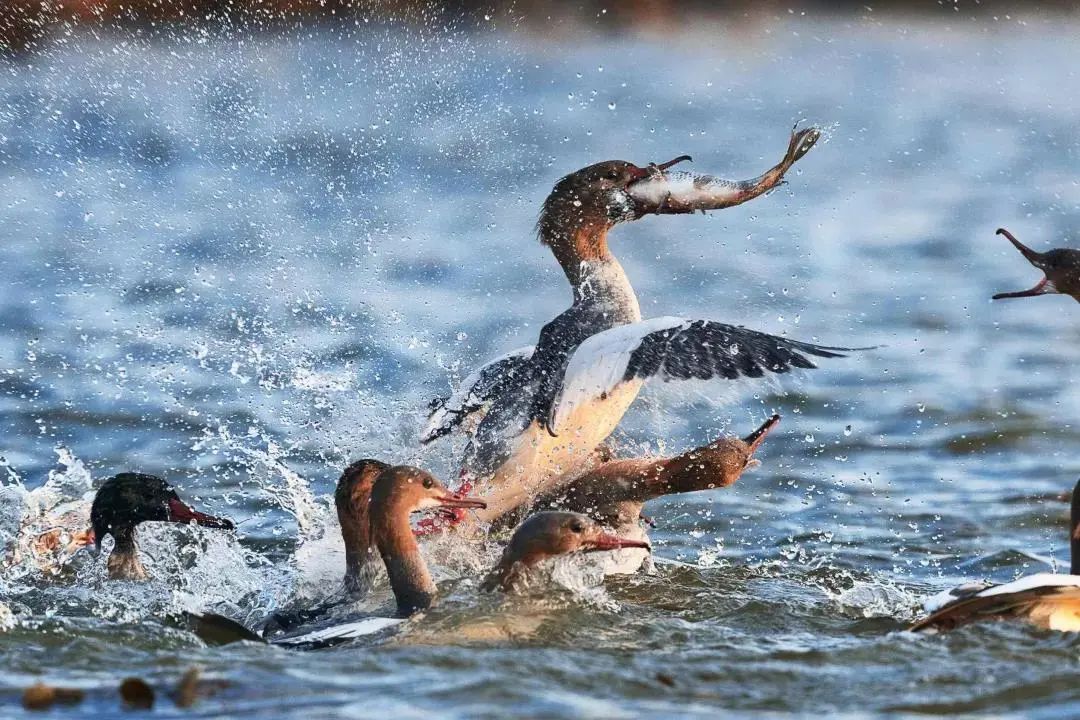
(673, 348)
(476, 391)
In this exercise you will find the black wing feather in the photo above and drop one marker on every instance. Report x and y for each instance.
(704, 350)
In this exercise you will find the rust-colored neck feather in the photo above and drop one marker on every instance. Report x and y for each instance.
(574, 225)
(409, 577)
(359, 550)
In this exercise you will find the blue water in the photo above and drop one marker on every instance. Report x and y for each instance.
(241, 261)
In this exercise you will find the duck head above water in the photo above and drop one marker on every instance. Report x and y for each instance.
(397, 493)
(1061, 270)
(548, 534)
(615, 490)
(128, 499)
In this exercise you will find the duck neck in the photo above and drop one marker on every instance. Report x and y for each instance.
(1074, 532)
(359, 554)
(592, 270)
(123, 563)
(409, 577)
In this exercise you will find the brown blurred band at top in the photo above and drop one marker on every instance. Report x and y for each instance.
(26, 25)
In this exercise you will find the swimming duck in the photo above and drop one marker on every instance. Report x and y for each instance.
(374, 503)
(398, 492)
(128, 499)
(548, 534)
(1061, 269)
(549, 405)
(1047, 600)
(352, 498)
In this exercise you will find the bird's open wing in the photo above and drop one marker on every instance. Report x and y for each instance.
(974, 602)
(673, 348)
(476, 391)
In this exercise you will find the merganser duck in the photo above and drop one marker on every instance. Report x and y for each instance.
(545, 535)
(1047, 600)
(1061, 269)
(398, 492)
(128, 499)
(548, 406)
(615, 492)
(374, 502)
(352, 498)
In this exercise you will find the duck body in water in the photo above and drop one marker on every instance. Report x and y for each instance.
(396, 493)
(125, 501)
(548, 406)
(1046, 600)
(375, 502)
(352, 499)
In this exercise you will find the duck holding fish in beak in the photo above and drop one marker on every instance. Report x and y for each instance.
(1046, 600)
(127, 500)
(1061, 271)
(546, 407)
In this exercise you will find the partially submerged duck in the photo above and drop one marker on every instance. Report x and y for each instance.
(374, 503)
(1047, 600)
(398, 492)
(352, 496)
(1061, 271)
(352, 499)
(615, 492)
(549, 534)
(546, 407)
(125, 501)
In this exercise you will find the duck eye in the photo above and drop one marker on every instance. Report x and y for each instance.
(428, 483)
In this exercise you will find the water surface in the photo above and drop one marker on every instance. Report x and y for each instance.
(242, 261)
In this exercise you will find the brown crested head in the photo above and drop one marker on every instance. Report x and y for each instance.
(546, 534)
(585, 204)
(353, 490)
(409, 488)
(593, 198)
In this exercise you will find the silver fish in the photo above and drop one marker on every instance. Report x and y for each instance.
(666, 192)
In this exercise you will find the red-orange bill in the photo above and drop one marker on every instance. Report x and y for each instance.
(181, 513)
